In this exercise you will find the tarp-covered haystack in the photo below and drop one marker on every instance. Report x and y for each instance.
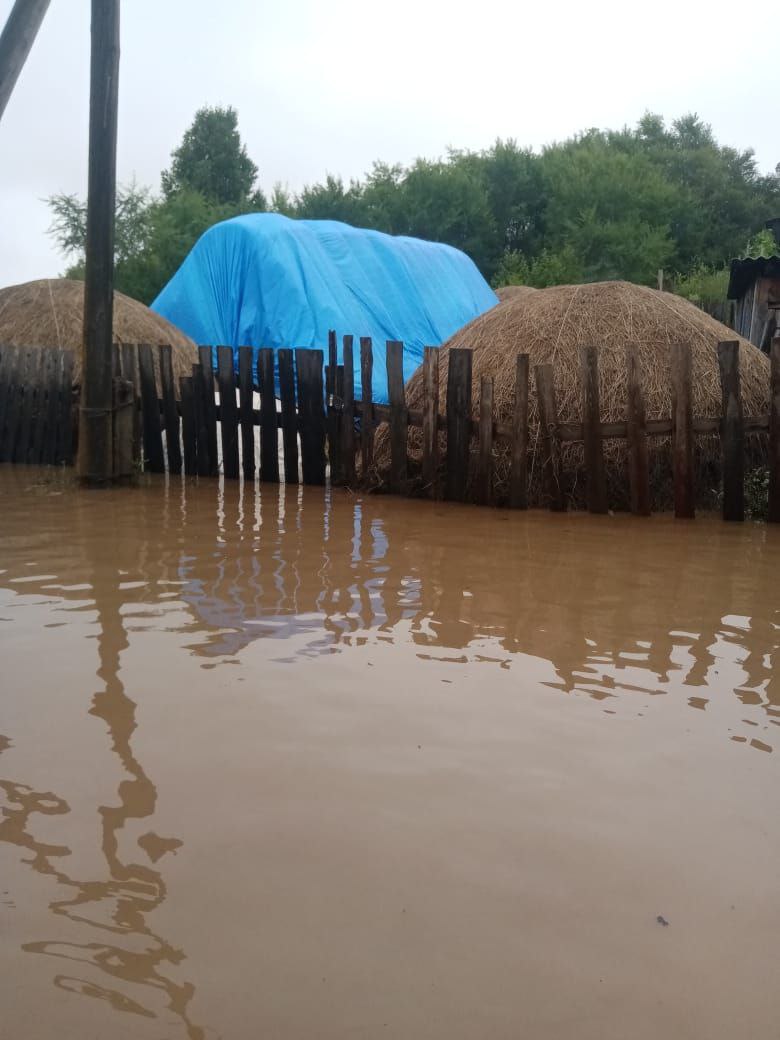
(50, 313)
(551, 325)
(263, 280)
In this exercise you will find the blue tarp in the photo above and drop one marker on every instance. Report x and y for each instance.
(263, 280)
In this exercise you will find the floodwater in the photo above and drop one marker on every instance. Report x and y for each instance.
(293, 764)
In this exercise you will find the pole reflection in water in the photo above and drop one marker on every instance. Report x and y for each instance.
(128, 963)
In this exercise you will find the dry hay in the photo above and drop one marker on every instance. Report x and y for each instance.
(551, 325)
(514, 292)
(49, 313)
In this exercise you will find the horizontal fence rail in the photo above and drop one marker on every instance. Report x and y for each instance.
(290, 415)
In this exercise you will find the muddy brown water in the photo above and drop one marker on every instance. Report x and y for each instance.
(293, 764)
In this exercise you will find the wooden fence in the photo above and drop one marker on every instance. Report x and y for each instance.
(36, 425)
(210, 427)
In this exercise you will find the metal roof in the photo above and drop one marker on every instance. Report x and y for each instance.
(745, 272)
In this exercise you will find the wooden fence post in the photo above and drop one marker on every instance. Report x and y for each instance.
(150, 405)
(430, 434)
(334, 415)
(96, 455)
(209, 412)
(246, 400)
(638, 468)
(311, 415)
(201, 399)
(124, 400)
(518, 476)
(484, 483)
(289, 416)
(548, 432)
(367, 406)
(170, 412)
(228, 411)
(591, 429)
(732, 432)
(269, 426)
(189, 435)
(458, 423)
(399, 417)
(774, 432)
(682, 430)
(348, 415)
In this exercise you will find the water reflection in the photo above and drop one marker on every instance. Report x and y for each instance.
(124, 961)
(616, 607)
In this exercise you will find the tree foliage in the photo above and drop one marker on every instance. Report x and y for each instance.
(602, 204)
(212, 160)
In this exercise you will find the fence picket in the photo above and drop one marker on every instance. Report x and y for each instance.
(732, 432)
(682, 437)
(289, 414)
(366, 406)
(226, 378)
(269, 428)
(548, 436)
(458, 423)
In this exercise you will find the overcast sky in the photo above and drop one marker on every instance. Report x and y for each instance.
(329, 87)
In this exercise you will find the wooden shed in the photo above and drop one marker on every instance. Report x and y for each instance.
(754, 285)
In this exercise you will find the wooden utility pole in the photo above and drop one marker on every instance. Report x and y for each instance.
(16, 40)
(96, 464)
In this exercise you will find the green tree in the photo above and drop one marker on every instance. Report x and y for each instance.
(212, 160)
(132, 227)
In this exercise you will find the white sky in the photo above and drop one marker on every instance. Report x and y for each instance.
(329, 87)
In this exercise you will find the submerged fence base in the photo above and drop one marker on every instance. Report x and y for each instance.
(317, 427)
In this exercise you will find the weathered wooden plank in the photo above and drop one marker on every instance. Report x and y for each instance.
(289, 414)
(150, 408)
(208, 410)
(518, 474)
(8, 361)
(430, 417)
(638, 462)
(484, 482)
(130, 370)
(228, 411)
(170, 411)
(29, 384)
(334, 410)
(591, 429)
(188, 425)
(245, 392)
(399, 419)
(682, 436)
(52, 379)
(269, 429)
(774, 432)
(732, 433)
(367, 410)
(40, 407)
(311, 414)
(122, 439)
(200, 400)
(66, 426)
(13, 403)
(458, 423)
(548, 436)
(348, 415)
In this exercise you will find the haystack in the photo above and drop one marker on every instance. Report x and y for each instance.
(551, 325)
(49, 313)
(515, 292)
